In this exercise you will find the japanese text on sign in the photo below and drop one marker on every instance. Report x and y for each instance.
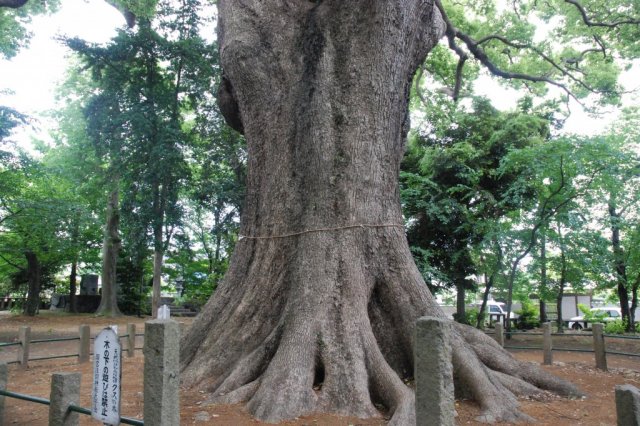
(105, 395)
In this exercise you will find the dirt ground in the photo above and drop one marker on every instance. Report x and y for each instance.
(597, 408)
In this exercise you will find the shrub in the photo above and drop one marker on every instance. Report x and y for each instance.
(618, 327)
(472, 317)
(591, 315)
(529, 316)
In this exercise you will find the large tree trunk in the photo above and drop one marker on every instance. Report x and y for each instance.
(317, 310)
(111, 247)
(33, 275)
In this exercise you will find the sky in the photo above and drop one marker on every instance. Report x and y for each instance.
(34, 73)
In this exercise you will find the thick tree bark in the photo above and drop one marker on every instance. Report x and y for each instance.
(317, 310)
(111, 247)
(33, 275)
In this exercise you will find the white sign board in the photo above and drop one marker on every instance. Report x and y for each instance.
(105, 395)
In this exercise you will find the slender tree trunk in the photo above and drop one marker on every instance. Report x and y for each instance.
(110, 249)
(485, 298)
(563, 280)
(317, 310)
(491, 281)
(75, 237)
(619, 263)
(158, 248)
(461, 307)
(634, 302)
(158, 255)
(543, 275)
(73, 286)
(33, 274)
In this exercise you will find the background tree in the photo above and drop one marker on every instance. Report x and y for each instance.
(150, 80)
(461, 193)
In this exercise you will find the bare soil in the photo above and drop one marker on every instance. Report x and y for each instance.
(597, 408)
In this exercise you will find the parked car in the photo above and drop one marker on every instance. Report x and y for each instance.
(612, 314)
(497, 312)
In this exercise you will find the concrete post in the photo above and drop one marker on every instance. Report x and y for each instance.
(131, 340)
(24, 335)
(161, 373)
(84, 347)
(547, 348)
(499, 328)
(628, 405)
(4, 379)
(65, 391)
(435, 404)
(598, 346)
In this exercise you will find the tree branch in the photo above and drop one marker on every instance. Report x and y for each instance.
(587, 20)
(20, 268)
(13, 4)
(129, 17)
(475, 48)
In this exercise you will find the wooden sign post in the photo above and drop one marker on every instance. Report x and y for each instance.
(105, 395)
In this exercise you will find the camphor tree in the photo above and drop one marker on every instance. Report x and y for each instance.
(322, 289)
(317, 309)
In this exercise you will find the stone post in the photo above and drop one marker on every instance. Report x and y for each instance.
(84, 346)
(65, 391)
(499, 328)
(161, 373)
(131, 340)
(435, 403)
(628, 405)
(24, 335)
(547, 348)
(598, 346)
(4, 378)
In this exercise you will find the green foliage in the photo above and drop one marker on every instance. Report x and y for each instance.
(547, 41)
(14, 34)
(455, 188)
(472, 317)
(618, 327)
(591, 315)
(529, 316)
(133, 288)
(138, 112)
(196, 295)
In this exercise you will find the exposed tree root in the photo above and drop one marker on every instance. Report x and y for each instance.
(343, 342)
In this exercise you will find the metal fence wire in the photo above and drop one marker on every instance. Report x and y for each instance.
(74, 408)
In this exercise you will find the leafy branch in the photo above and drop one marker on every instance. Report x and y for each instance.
(567, 68)
(590, 23)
